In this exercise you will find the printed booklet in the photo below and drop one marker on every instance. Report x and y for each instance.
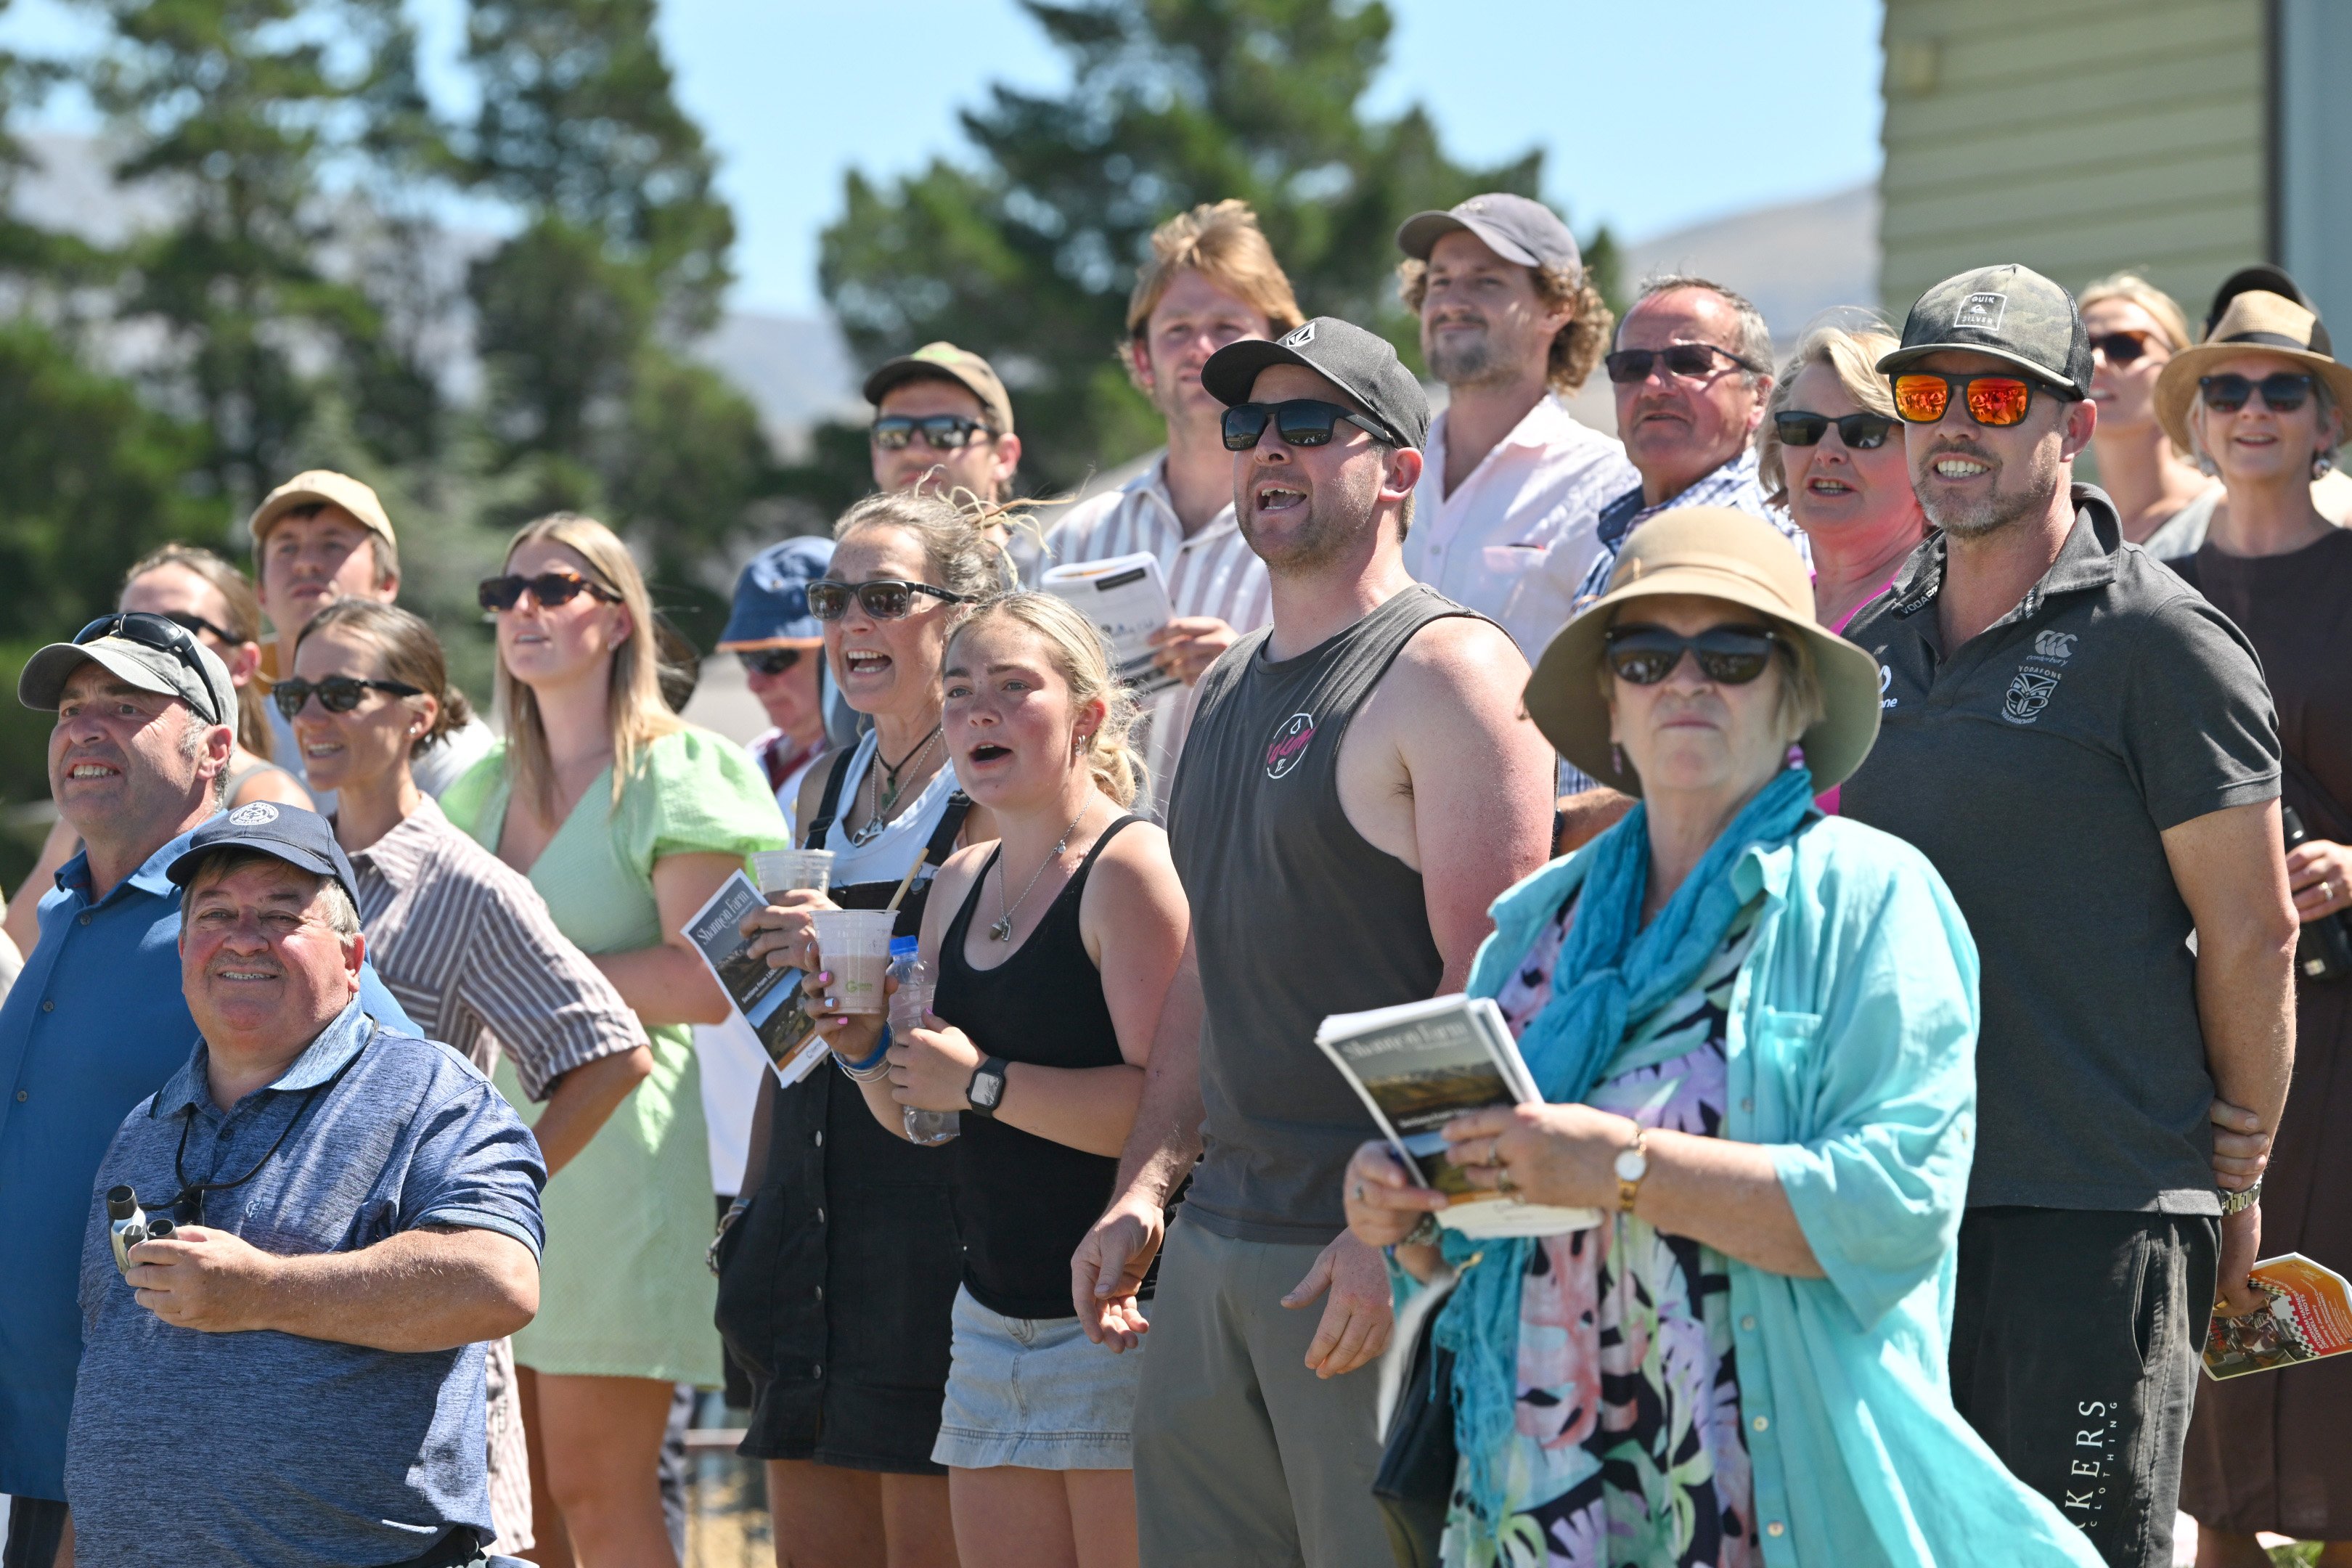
(2310, 1316)
(1127, 599)
(768, 999)
(1416, 1068)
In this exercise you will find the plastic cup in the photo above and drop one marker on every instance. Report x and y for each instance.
(854, 945)
(783, 872)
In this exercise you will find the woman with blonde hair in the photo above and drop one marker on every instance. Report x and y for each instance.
(625, 820)
(2136, 328)
(1054, 949)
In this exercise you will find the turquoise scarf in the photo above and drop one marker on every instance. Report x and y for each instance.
(1612, 975)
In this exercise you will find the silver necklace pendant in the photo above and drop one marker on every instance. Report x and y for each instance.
(1002, 930)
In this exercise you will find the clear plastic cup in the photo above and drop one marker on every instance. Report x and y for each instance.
(854, 947)
(782, 871)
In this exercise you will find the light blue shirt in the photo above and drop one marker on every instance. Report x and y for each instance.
(1850, 1056)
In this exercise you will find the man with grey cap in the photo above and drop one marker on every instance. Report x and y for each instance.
(1512, 325)
(1360, 784)
(2086, 751)
(137, 760)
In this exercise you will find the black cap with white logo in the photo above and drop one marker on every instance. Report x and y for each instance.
(1362, 365)
(300, 838)
(2012, 313)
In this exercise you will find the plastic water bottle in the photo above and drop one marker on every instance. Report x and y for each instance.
(908, 1006)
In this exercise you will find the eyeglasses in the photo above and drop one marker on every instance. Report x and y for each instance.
(885, 599)
(1921, 398)
(336, 694)
(769, 661)
(189, 621)
(1729, 656)
(1863, 432)
(2282, 391)
(549, 588)
(941, 432)
(2121, 348)
(151, 630)
(1300, 422)
(1692, 361)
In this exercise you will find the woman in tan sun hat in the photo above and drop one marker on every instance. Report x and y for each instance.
(2262, 402)
(1753, 1027)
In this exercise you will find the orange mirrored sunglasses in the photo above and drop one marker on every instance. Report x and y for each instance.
(1922, 396)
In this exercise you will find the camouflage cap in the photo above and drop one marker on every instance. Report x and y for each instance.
(945, 361)
(2010, 313)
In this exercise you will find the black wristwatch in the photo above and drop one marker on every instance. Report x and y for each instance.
(986, 1090)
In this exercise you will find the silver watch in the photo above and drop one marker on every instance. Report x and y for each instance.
(2238, 1202)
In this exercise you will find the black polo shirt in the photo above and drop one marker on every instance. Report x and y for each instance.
(2037, 765)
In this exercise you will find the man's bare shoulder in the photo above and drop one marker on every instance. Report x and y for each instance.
(1461, 660)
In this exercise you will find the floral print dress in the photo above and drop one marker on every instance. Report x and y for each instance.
(1629, 1451)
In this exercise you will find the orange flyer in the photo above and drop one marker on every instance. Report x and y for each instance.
(2309, 1317)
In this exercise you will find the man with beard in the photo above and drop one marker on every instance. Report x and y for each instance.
(1511, 325)
(1212, 280)
(2086, 751)
(1359, 785)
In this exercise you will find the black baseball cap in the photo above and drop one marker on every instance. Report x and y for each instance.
(2012, 313)
(300, 838)
(1362, 365)
(1514, 228)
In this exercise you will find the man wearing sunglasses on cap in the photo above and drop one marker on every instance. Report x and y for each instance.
(320, 537)
(2087, 752)
(138, 758)
(1361, 783)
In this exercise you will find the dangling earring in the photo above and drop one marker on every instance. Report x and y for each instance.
(1078, 744)
(2321, 462)
(1617, 758)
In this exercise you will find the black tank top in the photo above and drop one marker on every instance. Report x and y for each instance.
(1024, 1203)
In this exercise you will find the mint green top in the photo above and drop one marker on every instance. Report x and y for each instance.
(623, 1292)
(1850, 1054)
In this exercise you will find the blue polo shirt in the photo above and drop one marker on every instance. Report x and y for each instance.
(270, 1449)
(94, 1024)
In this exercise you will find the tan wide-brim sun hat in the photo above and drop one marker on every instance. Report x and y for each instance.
(1719, 554)
(2256, 321)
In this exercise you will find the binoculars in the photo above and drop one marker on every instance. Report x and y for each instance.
(128, 1225)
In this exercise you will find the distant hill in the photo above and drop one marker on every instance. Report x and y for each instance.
(1795, 260)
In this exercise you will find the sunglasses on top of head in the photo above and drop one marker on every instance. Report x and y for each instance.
(158, 632)
(941, 432)
(336, 694)
(1644, 655)
(2282, 391)
(769, 661)
(1863, 432)
(1300, 422)
(1999, 400)
(885, 599)
(549, 588)
(1692, 361)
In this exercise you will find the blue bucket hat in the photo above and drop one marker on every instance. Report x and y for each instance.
(772, 596)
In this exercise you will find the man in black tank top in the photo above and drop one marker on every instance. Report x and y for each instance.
(1359, 785)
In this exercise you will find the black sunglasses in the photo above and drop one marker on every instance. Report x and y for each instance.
(190, 621)
(1863, 432)
(884, 598)
(549, 588)
(2120, 348)
(1692, 361)
(151, 630)
(1300, 422)
(336, 694)
(1731, 656)
(941, 432)
(769, 661)
(2282, 391)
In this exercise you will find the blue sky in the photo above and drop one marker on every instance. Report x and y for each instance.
(1652, 116)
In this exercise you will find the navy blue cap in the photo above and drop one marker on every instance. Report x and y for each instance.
(771, 595)
(300, 837)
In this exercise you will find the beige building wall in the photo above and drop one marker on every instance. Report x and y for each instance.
(2079, 137)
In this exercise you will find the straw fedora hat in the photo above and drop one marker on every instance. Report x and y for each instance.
(1724, 555)
(2256, 321)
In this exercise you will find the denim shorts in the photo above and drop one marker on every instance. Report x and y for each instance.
(1035, 1393)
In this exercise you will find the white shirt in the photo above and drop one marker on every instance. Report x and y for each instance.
(1213, 573)
(1538, 495)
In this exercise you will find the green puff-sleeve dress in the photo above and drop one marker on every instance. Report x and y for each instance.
(623, 1292)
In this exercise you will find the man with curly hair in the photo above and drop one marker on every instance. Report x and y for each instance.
(1512, 324)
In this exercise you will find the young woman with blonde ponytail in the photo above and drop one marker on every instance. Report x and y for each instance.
(1054, 948)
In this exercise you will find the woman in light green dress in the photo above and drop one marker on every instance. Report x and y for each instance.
(626, 821)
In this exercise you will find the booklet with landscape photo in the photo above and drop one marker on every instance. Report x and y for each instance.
(1419, 1066)
(2310, 1316)
(1127, 599)
(768, 999)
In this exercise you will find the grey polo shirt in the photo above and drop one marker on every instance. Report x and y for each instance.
(2038, 766)
(266, 1447)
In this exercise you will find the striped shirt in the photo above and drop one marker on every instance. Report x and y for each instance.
(466, 945)
(1213, 573)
